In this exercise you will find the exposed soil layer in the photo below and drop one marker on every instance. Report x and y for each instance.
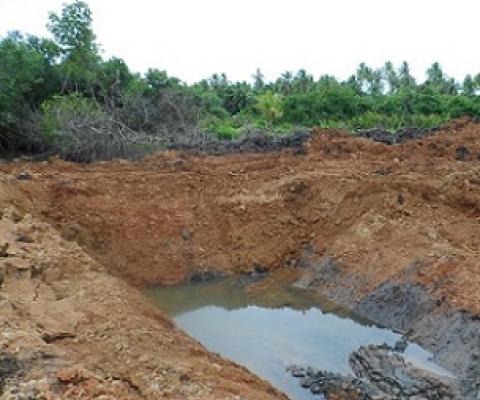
(70, 330)
(376, 227)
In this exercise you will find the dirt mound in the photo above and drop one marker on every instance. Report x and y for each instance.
(456, 141)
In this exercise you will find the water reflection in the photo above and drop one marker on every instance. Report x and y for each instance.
(267, 326)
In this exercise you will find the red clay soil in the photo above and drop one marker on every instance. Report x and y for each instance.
(376, 208)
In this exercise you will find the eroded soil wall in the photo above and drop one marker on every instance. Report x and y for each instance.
(396, 219)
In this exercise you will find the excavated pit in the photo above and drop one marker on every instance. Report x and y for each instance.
(390, 232)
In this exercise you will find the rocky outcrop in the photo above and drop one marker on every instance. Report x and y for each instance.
(379, 374)
(452, 335)
(397, 305)
(389, 373)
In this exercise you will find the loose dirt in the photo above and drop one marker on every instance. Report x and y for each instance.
(81, 238)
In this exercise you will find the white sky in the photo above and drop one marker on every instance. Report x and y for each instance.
(192, 39)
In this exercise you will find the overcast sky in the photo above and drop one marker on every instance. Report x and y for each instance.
(192, 39)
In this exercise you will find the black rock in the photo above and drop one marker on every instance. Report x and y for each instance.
(316, 388)
(296, 371)
(461, 153)
(9, 366)
(401, 345)
(186, 234)
(24, 176)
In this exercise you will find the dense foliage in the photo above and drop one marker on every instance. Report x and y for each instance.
(59, 96)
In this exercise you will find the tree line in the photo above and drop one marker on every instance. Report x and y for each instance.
(59, 96)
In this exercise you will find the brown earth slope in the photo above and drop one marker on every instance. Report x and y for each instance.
(404, 213)
(376, 208)
(69, 330)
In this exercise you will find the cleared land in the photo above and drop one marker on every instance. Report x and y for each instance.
(400, 222)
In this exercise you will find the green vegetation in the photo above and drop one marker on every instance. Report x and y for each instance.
(59, 96)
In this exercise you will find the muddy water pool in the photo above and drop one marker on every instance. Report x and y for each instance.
(267, 326)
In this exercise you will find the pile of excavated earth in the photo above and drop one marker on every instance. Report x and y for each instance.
(391, 231)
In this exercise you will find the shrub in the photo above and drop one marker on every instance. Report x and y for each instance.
(270, 106)
(223, 128)
(427, 121)
(78, 129)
